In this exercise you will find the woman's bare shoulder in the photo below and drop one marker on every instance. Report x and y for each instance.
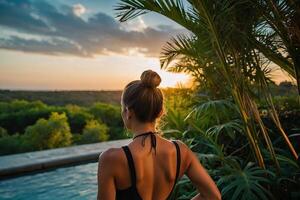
(111, 156)
(186, 154)
(183, 147)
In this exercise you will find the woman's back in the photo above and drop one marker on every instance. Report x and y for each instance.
(147, 168)
(155, 169)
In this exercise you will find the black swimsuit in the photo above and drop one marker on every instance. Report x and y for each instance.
(132, 193)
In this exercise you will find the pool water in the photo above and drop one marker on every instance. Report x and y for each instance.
(75, 182)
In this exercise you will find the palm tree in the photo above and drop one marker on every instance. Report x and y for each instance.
(277, 33)
(219, 41)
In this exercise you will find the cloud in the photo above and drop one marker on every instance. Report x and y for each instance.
(78, 9)
(51, 46)
(134, 25)
(63, 32)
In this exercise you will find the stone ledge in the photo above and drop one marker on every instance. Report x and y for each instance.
(18, 164)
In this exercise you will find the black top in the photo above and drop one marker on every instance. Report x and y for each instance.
(132, 193)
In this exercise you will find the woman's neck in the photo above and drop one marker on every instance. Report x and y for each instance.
(143, 128)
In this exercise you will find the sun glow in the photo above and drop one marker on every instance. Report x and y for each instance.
(173, 79)
(111, 72)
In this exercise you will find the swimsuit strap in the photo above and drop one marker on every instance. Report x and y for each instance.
(178, 157)
(130, 165)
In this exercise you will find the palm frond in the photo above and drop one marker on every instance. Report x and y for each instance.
(192, 47)
(247, 183)
(215, 109)
(181, 45)
(230, 129)
(221, 40)
(173, 9)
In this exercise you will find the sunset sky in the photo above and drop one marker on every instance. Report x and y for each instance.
(79, 45)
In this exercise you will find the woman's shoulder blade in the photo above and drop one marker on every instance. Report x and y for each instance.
(111, 155)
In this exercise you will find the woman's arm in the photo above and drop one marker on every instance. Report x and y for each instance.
(200, 178)
(106, 185)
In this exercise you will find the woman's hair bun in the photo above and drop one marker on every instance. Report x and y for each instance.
(150, 79)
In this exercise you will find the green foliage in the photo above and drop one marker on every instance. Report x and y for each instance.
(285, 103)
(26, 123)
(285, 88)
(110, 115)
(213, 112)
(224, 48)
(176, 102)
(174, 123)
(220, 49)
(3, 132)
(218, 120)
(184, 190)
(248, 183)
(224, 53)
(93, 132)
(46, 134)
(11, 144)
(231, 128)
(18, 114)
(77, 117)
(214, 131)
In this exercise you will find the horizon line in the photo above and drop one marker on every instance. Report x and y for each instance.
(75, 90)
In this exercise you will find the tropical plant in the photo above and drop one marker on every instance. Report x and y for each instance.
(177, 102)
(277, 33)
(220, 49)
(218, 41)
(244, 183)
(219, 141)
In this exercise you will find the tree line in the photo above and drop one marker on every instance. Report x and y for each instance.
(30, 126)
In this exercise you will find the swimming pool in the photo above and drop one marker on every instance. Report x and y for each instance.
(75, 182)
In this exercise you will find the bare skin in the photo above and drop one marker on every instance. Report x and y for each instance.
(155, 173)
